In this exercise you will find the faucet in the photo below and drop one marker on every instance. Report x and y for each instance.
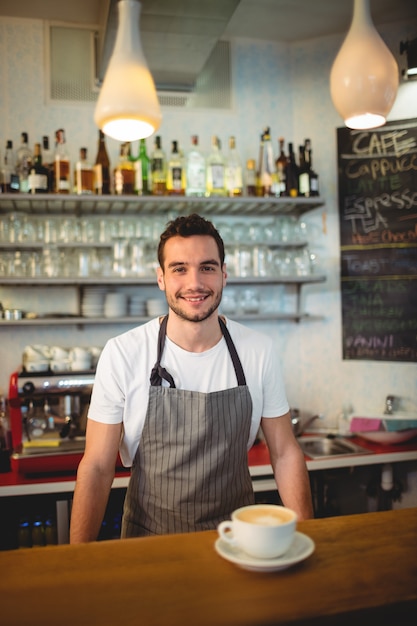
(299, 425)
(389, 405)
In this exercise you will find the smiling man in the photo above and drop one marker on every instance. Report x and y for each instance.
(182, 399)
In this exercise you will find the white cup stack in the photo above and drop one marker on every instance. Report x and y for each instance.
(137, 306)
(59, 359)
(36, 358)
(92, 304)
(115, 304)
(80, 359)
(156, 306)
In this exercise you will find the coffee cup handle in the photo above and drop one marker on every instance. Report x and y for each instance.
(225, 530)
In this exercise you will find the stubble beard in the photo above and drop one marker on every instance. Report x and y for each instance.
(198, 317)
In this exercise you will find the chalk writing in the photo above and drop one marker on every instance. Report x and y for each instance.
(378, 237)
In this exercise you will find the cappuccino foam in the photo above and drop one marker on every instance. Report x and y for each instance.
(265, 516)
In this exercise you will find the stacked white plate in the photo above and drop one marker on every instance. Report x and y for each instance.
(115, 304)
(156, 306)
(92, 304)
(137, 306)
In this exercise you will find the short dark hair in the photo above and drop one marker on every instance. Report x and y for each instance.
(186, 226)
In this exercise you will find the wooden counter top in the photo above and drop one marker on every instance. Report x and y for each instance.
(364, 567)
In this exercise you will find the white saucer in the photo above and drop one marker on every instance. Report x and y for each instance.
(300, 549)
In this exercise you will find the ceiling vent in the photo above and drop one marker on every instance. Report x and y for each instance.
(212, 88)
(72, 60)
(177, 38)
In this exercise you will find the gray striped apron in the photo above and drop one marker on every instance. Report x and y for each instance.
(190, 470)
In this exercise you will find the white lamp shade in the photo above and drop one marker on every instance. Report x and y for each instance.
(405, 105)
(364, 75)
(127, 107)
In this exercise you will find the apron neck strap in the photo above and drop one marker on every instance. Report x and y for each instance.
(159, 373)
(240, 375)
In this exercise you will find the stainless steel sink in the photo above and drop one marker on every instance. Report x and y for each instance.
(330, 446)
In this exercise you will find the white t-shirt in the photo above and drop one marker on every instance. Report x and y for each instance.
(121, 387)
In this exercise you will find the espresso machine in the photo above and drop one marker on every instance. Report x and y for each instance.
(48, 416)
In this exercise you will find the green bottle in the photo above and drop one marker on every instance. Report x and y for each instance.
(143, 174)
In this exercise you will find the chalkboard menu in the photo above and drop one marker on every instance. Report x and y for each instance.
(377, 175)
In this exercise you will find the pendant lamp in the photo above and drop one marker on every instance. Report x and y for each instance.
(364, 75)
(405, 105)
(410, 48)
(127, 107)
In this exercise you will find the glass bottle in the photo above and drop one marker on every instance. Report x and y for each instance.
(38, 179)
(143, 171)
(8, 176)
(281, 168)
(48, 161)
(38, 532)
(267, 174)
(61, 164)
(83, 175)
(195, 170)
(314, 177)
(291, 174)
(303, 174)
(233, 172)
(250, 178)
(216, 170)
(23, 163)
(175, 172)
(159, 169)
(124, 172)
(102, 167)
(259, 191)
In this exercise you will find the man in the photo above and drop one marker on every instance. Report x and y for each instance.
(182, 398)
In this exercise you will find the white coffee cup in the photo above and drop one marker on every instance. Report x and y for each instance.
(58, 353)
(80, 354)
(263, 531)
(36, 353)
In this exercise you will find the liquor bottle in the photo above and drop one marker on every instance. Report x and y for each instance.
(102, 167)
(291, 174)
(233, 172)
(61, 164)
(281, 168)
(124, 172)
(267, 175)
(303, 174)
(38, 532)
(195, 176)
(250, 177)
(259, 191)
(143, 179)
(38, 179)
(159, 169)
(9, 180)
(23, 163)
(314, 177)
(83, 175)
(216, 170)
(175, 172)
(24, 534)
(48, 161)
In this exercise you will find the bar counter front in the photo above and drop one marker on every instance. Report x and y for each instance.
(363, 568)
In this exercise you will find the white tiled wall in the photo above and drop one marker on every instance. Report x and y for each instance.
(286, 87)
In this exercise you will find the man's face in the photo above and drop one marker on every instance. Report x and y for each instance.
(192, 276)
